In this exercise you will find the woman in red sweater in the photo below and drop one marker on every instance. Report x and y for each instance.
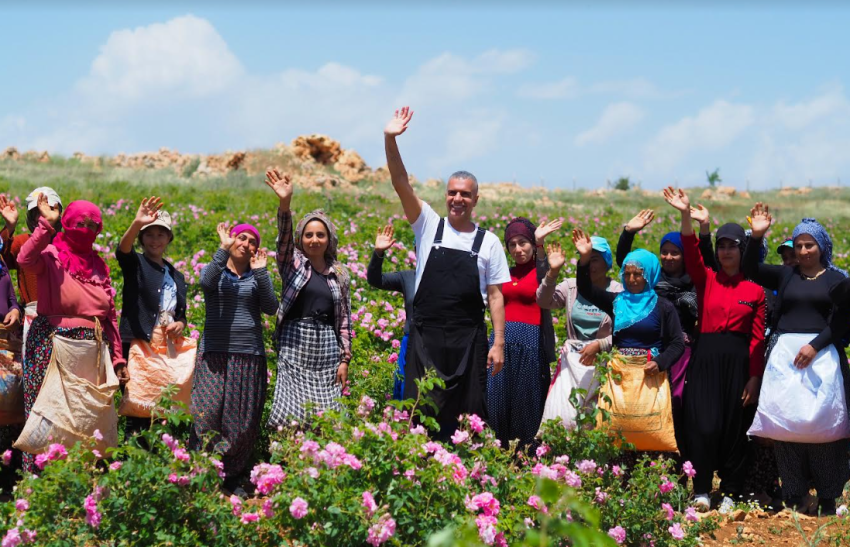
(516, 394)
(724, 375)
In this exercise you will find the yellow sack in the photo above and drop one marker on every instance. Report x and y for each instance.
(76, 398)
(153, 366)
(11, 377)
(640, 405)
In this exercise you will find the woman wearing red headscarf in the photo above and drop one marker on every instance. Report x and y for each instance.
(73, 290)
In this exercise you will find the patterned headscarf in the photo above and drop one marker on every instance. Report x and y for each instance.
(814, 228)
(631, 308)
(333, 241)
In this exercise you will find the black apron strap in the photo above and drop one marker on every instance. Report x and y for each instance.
(479, 239)
(438, 237)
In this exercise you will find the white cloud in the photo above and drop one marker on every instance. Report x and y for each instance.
(830, 104)
(616, 119)
(185, 55)
(713, 128)
(449, 77)
(570, 88)
(473, 136)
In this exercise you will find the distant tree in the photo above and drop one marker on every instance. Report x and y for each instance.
(623, 183)
(713, 177)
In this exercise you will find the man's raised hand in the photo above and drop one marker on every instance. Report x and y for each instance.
(398, 124)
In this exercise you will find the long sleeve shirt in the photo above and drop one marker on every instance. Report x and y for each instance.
(64, 299)
(295, 271)
(667, 335)
(802, 306)
(8, 300)
(727, 304)
(235, 304)
(403, 282)
(27, 280)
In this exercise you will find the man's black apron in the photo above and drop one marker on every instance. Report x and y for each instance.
(448, 333)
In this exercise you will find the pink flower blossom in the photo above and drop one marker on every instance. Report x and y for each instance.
(7, 458)
(691, 515)
(460, 436)
(666, 486)
(381, 531)
(396, 344)
(54, 452)
(537, 503)
(688, 469)
(618, 534)
(115, 466)
(485, 502)
(22, 505)
(236, 502)
(181, 454)
(486, 528)
(392, 358)
(298, 508)
(572, 479)
(12, 538)
(366, 406)
(476, 423)
(369, 504)
(249, 517)
(266, 476)
(601, 496)
(676, 531)
(542, 450)
(669, 510)
(617, 471)
(98, 435)
(312, 472)
(417, 430)
(268, 509)
(93, 517)
(586, 467)
(169, 441)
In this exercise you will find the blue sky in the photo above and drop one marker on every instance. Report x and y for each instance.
(535, 93)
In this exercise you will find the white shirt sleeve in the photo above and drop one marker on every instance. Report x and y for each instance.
(426, 223)
(498, 271)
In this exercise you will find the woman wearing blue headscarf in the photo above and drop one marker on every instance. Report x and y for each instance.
(803, 405)
(588, 329)
(646, 327)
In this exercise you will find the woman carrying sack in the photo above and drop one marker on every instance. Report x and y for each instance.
(725, 372)
(588, 329)
(75, 298)
(231, 376)
(803, 404)
(313, 334)
(648, 338)
(516, 394)
(153, 317)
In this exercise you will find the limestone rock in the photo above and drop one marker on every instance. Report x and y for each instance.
(351, 166)
(321, 148)
(11, 153)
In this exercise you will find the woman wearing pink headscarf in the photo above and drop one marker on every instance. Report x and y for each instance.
(73, 290)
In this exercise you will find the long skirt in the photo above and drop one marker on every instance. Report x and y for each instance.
(716, 423)
(398, 381)
(39, 350)
(227, 402)
(516, 395)
(308, 359)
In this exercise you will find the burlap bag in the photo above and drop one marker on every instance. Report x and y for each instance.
(640, 407)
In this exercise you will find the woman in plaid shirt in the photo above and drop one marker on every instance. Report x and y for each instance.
(313, 333)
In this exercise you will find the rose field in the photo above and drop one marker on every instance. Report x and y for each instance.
(370, 475)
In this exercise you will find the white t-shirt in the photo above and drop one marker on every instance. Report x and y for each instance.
(492, 264)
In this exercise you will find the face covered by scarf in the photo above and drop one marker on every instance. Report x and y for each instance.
(814, 228)
(632, 308)
(75, 243)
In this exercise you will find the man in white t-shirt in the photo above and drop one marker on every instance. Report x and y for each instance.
(459, 272)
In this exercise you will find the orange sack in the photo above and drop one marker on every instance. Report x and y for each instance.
(152, 367)
(640, 406)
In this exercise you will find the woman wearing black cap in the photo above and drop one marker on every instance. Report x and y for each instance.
(516, 394)
(724, 374)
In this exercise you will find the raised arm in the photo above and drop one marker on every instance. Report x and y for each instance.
(545, 229)
(550, 296)
(694, 265)
(265, 288)
(10, 215)
(630, 230)
(283, 189)
(212, 271)
(409, 201)
(29, 256)
(706, 248)
(374, 272)
(148, 212)
(766, 275)
(600, 298)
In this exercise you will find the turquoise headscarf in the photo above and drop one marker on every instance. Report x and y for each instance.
(631, 308)
(600, 245)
